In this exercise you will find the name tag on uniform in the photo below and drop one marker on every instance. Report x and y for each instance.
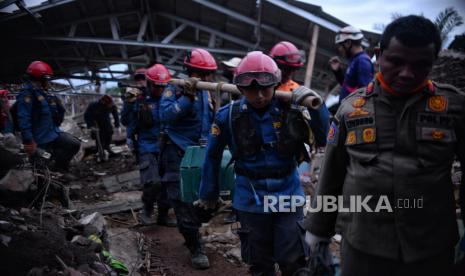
(435, 134)
(358, 122)
(435, 119)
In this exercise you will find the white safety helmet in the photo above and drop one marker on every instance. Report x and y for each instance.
(347, 33)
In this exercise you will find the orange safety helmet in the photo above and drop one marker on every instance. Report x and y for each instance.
(285, 53)
(200, 59)
(158, 74)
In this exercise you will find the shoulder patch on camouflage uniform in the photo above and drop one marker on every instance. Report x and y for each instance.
(437, 103)
(332, 134)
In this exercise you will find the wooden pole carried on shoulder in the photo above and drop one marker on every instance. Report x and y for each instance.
(313, 101)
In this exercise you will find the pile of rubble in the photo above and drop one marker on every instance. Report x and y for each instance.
(51, 241)
(449, 68)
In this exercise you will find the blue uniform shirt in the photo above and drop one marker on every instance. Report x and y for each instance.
(126, 112)
(319, 124)
(247, 190)
(147, 139)
(184, 121)
(359, 74)
(39, 115)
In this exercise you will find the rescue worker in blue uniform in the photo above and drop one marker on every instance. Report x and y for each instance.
(97, 118)
(187, 114)
(143, 131)
(40, 114)
(290, 59)
(360, 71)
(266, 137)
(131, 95)
(395, 139)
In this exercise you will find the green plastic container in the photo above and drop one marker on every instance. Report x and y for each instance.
(191, 172)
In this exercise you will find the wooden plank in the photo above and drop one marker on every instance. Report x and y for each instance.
(311, 56)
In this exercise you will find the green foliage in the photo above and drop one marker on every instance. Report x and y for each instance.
(447, 20)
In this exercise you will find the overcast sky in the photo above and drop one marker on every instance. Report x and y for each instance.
(365, 13)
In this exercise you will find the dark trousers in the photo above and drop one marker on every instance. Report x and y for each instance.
(152, 191)
(272, 238)
(188, 223)
(63, 148)
(357, 263)
(105, 138)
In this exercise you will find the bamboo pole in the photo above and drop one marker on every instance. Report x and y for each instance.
(313, 101)
(311, 56)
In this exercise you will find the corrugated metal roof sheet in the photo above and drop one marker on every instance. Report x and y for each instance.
(77, 35)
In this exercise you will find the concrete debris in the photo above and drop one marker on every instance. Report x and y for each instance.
(119, 149)
(10, 142)
(228, 238)
(70, 126)
(112, 207)
(6, 226)
(124, 247)
(31, 245)
(449, 68)
(100, 173)
(5, 240)
(17, 180)
(235, 253)
(129, 181)
(95, 219)
(81, 241)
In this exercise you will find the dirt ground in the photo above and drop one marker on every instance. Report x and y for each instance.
(176, 258)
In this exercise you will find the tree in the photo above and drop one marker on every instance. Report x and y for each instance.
(447, 20)
(381, 26)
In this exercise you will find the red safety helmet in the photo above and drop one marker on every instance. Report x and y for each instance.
(140, 73)
(285, 53)
(39, 70)
(257, 67)
(158, 74)
(3, 93)
(200, 59)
